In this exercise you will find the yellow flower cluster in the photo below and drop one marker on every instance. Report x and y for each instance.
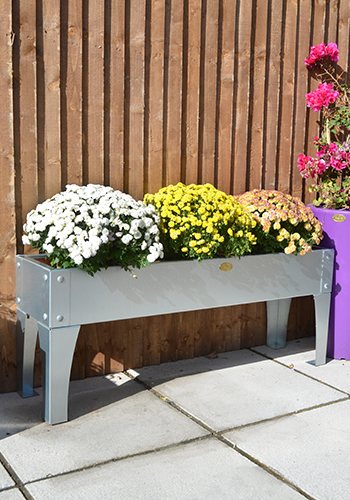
(199, 221)
(284, 222)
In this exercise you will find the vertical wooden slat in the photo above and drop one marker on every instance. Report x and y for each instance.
(155, 133)
(27, 98)
(174, 91)
(192, 107)
(318, 23)
(117, 72)
(137, 99)
(343, 36)
(52, 152)
(273, 91)
(332, 27)
(95, 105)
(208, 99)
(7, 207)
(226, 94)
(257, 98)
(301, 83)
(241, 104)
(74, 93)
(284, 156)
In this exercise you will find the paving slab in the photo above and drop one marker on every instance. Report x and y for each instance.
(18, 414)
(13, 494)
(206, 469)
(301, 354)
(310, 449)
(136, 421)
(236, 388)
(5, 478)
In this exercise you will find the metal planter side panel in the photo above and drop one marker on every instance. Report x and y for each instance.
(168, 287)
(64, 297)
(33, 287)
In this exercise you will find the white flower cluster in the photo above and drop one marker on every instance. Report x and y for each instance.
(84, 218)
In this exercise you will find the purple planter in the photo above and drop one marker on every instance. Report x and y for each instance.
(336, 229)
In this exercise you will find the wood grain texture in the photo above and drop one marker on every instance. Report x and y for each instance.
(135, 161)
(7, 207)
(52, 106)
(73, 92)
(95, 89)
(224, 125)
(241, 96)
(117, 95)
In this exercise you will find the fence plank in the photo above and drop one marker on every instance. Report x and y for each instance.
(95, 97)
(173, 95)
(156, 85)
(241, 103)
(273, 93)
(137, 100)
(192, 91)
(74, 93)
(7, 207)
(51, 44)
(301, 85)
(27, 100)
(287, 111)
(318, 23)
(209, 98)
(257, 98)
(117, 94)
(224, 174)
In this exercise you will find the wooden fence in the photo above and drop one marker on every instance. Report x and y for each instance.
(138, 94)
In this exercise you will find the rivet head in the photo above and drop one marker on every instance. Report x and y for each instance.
(46, 277)
(59, 318)
(44, 316)
(18, 300)
(328, 257)
(326, 286)
(60, 279)
(18, 264)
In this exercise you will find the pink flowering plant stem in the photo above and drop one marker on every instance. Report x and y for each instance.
(330, 168)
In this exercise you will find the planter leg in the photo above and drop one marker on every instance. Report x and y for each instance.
(277, 321)
(322, 309)
(57, 348)
(27, 332)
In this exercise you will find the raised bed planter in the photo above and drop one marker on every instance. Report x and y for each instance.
(56, 302)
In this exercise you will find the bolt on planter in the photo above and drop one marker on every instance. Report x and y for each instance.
(56, 302)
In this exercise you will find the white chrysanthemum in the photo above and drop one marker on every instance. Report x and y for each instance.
(76, 223)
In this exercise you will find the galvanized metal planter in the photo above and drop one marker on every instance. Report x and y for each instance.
(56, 302)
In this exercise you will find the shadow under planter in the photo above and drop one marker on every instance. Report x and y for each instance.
(56, 302)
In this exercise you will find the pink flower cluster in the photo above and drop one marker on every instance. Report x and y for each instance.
(324, 95)
(330, 156)
(320, 52)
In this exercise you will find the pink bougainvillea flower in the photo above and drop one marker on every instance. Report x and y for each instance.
(332, 52)
(324, 95)
(306, 166)
(320, 52)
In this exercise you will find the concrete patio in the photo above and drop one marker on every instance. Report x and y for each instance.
(253, 424)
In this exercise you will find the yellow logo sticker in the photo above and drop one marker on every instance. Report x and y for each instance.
(226, 266)
(339, 218)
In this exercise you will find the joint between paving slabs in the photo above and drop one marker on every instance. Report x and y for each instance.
(266, 468)
(171, 403)
(19, 485)
(290, 367)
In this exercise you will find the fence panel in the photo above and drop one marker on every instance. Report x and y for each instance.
(138, 94)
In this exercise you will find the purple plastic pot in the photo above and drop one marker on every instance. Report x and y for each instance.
(336, 230)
